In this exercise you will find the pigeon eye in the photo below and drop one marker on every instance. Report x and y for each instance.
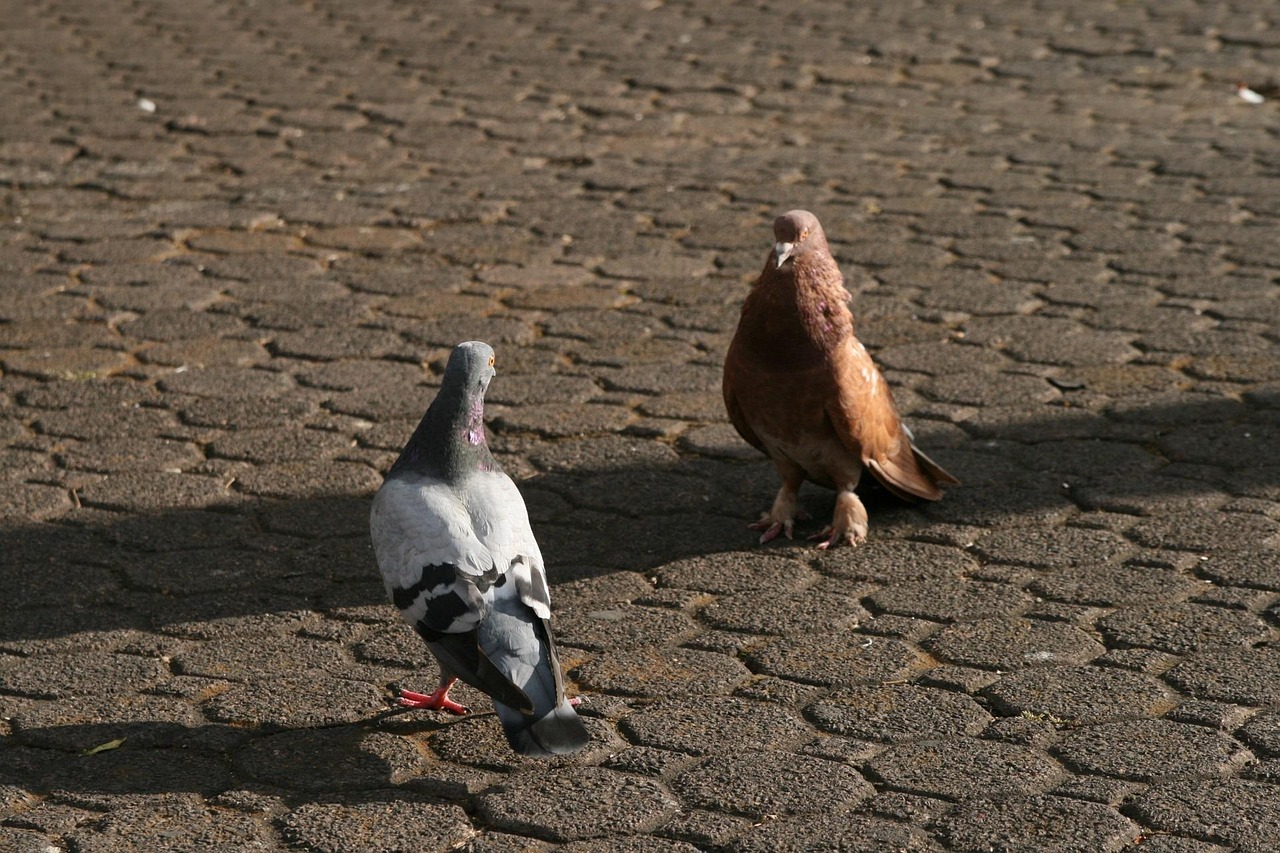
(804, 234)
(491, 361)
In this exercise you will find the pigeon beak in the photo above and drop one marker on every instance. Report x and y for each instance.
(782, 251)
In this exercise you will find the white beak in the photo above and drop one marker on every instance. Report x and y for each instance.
(782, 251)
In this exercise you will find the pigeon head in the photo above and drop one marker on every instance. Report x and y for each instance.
(796, 233)
(450, 441)
(470, 368)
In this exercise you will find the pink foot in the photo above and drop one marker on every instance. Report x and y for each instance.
(771, 531)
(772, 528)
(834, 539)
(437, 701)
(575, 701)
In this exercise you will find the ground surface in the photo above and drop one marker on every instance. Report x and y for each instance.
(238, 238)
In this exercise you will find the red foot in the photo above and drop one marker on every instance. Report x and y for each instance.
(437, 701)
(575, 701)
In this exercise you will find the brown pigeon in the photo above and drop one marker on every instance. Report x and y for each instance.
(800, 387)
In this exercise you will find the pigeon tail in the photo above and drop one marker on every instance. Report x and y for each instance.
(932, 469)
(519, 644)
(559, 732)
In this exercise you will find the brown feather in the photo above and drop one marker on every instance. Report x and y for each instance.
(798, 384)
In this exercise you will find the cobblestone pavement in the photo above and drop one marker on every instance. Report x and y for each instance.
(238, 238)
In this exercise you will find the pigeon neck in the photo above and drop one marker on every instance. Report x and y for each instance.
(450, 441)
(822, 300)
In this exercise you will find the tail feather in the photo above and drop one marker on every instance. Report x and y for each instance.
(932, 469)
(911, 475)
(559, 732)
(520, 646)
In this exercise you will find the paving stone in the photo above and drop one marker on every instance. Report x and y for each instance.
(1096, 789)
(477, 740)
(1118, 586)
(1239, 676)
(783, 613)
(590, 803)
(1237, 812)
(335, 759)
(503, 842)
(1050, 341)
(649, 671)
(561, 420)
(1011, 644)
(1038, 823)
(1160, 843)
(981, 389)
(377, 824)
(648, 761)
(903, 627)
(65, 676)
(1079, 695)
(701, 827)
(1150, 751)
(1052, 548)
(897, 714)
(1010, 506)
(958, 678)
(1217, 715)
(1204, 533)
(947, 600)
(1182, 628)
(22, 841)
(963, 770)
(1258, 568)
(734, 572)
(227, 382)
(147, 721)
(893, 560)
(171, 823)
(702, 726)
(626, 627)
(46, 815)
(645, 492)
(308, 480)
(837, 659)
(120, 771)
(1150, 661)
(256, 655)
(630, 844)
(1262, 733)
(66, 363)
(762, 783)
(305, 699)
(829, 833)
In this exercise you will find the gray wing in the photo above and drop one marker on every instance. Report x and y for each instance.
(429, 556)
(441, 576)
(502, 523)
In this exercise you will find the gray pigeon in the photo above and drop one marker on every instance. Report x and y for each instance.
(458, 558)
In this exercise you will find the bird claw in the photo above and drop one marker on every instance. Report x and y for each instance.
(772, 529)
(437, 701)
(849, 537)
(575, 701)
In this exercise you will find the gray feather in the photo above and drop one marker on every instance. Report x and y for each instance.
(459, 559)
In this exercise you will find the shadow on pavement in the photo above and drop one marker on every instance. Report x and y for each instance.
(163, 572)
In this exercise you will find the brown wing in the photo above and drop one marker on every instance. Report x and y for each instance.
(734, 375)
(867, 421)
(770, 399)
